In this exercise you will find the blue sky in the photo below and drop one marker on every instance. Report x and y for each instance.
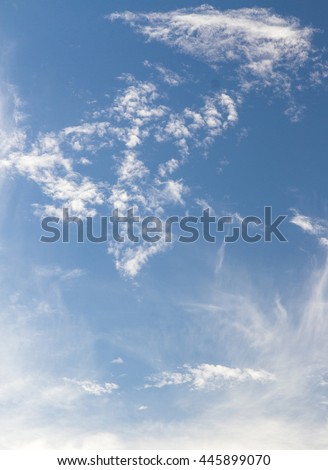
(170, 108)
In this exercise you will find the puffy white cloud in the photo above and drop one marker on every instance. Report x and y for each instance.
(131, 168)
(199, 127)
(85, 161)
(169, 167)
(135, 103)
(172, 191)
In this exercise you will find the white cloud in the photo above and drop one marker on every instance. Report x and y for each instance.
(130, 259)
(88, 136)
(99, 128)
(295, 351)
(228, 103)
(136, 103)
(220, 258)
(46, 165)
(176, 130)
(199, 127)
(131, 168)
(168, 378)
(169, 167)
(137, 113)
(142, 408)
(319, 75)
(256, 39)
(323, 241)
(256, 407)
(58, 272)
(263, 49)
(93, 388)
(310, 225)
(209, 377)
(85, 161)
(33, 312)
(173, 191)
(165, 74)
(118, 360)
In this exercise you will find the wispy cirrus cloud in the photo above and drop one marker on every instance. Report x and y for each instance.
(256, 39)
(165, 74)
(58, 272)
(93, 388)
(313, 226)
(262, 48)
(130, 259)
(244, 406)
(208, 377)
